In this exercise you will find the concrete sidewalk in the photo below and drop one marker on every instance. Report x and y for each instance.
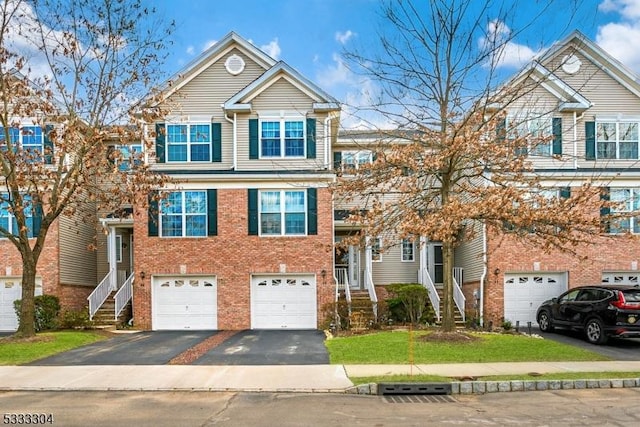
(288, 378)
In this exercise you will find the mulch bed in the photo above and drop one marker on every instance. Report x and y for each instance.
(195, 352)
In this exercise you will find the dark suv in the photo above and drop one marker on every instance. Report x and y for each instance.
(599, 311)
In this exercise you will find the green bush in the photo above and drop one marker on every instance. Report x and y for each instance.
(75, 319)
(409, 302)
(47, 308)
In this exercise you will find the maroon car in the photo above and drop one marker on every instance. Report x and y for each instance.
(600, 311)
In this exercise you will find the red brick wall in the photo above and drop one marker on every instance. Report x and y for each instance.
(232, 256)
(507, 255)
(74, 297)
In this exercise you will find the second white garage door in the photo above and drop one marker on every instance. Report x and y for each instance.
(283, 302)
(11, 290)
(524, 292)
(185, 303)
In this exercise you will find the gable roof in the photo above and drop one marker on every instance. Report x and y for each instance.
(211, 55)
(241, 101)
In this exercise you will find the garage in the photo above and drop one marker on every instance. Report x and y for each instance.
(620, 278)
(283, 302)
(11, 290)
(185, 302)
(524, 292)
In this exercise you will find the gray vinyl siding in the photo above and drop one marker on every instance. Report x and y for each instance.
(77, 261)
(392, 270)
(469, 256)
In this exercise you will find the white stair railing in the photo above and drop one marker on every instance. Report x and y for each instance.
(100, 294)
(123, 296)
(425, 280)
(368, 283)
(458, 296)
(342, 283)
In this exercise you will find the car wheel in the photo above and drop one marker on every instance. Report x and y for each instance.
(594, 330)
(544, 322)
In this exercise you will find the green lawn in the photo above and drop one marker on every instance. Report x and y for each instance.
(393, 348)
(18, 352)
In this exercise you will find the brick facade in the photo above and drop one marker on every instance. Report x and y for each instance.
(232, 256)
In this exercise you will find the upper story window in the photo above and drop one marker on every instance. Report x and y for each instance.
(624, 201)
(184, 214)
(536, 129)
(282, 136)
(616, 140)
(128, 156)
(8, 221)
(408, 250)
(376, 249)
(27, 138)
(189, 142)
(353, 160)
(283, 212)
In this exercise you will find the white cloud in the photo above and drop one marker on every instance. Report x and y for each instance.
(272, 48)
(190, 50)
(620, 38)
(628, 9)
(344, 37)
(508, 53)
(208, 44)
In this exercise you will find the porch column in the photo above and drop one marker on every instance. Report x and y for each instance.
(368, 266)
(423, 258)
(113, 257)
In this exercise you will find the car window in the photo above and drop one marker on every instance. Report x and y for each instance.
(587, 295)
(632, 295)
(601, 294)
(570, 296)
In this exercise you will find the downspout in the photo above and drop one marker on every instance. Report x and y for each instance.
(575, 140)
(235, 145)
(327, 144)
(484, 272)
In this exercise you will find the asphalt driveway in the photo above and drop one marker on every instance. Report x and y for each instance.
(616, 348)
(264, 347)
(159, 347)
(143, 348)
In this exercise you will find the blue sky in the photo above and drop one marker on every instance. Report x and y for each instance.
(311, 34)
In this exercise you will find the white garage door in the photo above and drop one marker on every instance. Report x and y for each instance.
(283, 301)
(620, 277)
(11, 290)
(524, 292)
(185, 302)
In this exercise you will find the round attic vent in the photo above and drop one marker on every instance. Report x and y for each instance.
(234, 65)
(571, 64)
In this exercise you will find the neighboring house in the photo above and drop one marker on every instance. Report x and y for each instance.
(66, 268)
(242, 237)
(589, 105)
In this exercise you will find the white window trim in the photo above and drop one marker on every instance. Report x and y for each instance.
(184, 215)
(188, 142)
(31, 124)
(373, 241)
(118, 248)
(632, 219)
(282, 213)
(617, 141)
(519, 119)
(354, 166)
(413, 252)
(282, 117)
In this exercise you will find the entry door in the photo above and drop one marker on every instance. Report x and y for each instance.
(435, 263)
(354, 267)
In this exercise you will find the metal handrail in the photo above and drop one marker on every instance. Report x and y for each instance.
(431, 291)
(368, 283)
(100, 294)
(123, 296)
(458, 296)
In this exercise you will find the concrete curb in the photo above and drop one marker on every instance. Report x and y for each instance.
(483, 387)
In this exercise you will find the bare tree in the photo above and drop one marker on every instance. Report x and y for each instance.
(451, 162)
(68, 71)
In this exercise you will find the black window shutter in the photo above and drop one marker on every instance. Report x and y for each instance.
(565, 192)
(253, 138)
(557, 135)
(312, 211)
(212, 212)
(590, 139)
(605, 211)
(311, 138)
(48, 145)
(160, 142)
(216, 142)
(253, 211)
(37, 218)
(153, 214)
(337, 160)
(501, 130)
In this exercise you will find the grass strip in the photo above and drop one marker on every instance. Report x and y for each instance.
(20, 351)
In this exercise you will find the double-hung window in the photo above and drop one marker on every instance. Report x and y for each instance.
(189, 142)
(534, 133)
(283, 212)
(616, 140)
(282, 136)
(376, 249)
(353, 160)
(184, 214)
(8, 221)
(624, 202)
(27, 138)
(128, 156)
(408, 250)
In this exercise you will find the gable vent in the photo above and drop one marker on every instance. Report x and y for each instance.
(234, 65)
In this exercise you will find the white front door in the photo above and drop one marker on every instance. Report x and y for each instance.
(283, 302)
(11, 290)
(185, 302)
(354, 267)
(525, 292)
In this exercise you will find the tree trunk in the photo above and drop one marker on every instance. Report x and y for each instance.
(448, 313)
(27, 327)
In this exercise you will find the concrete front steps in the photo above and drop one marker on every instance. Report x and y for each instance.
(105, 314)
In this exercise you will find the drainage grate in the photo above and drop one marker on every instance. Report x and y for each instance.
(414, 388)
(418, 398)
